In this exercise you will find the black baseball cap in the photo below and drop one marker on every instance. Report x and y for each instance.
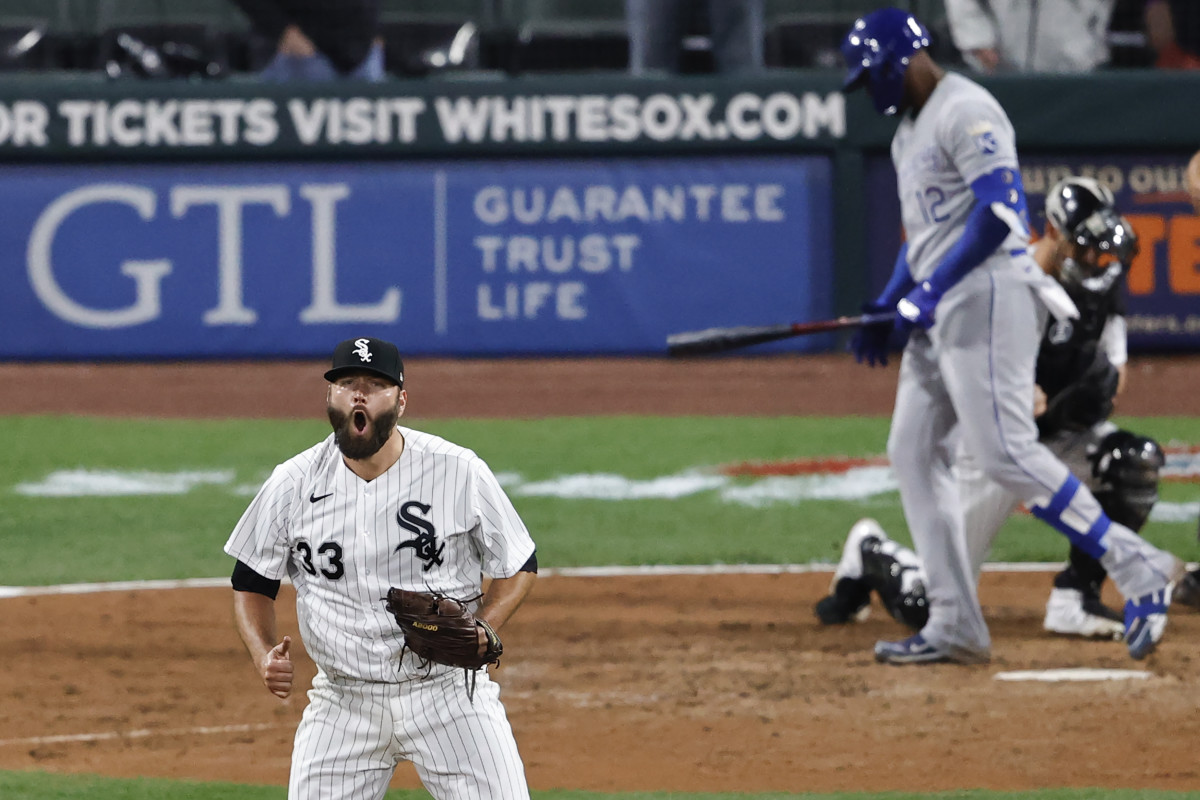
(366, 354)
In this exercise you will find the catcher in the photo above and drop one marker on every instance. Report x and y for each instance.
(1087, 248)
(363, 524)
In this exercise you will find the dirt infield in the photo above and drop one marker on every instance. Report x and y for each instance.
(683, 683)
(686, 683)
(506, 388)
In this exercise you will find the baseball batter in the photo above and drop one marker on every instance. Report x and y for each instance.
(374, 506)
(974, 303)
(1087, 248)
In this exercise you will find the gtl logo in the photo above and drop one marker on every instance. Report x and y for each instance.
(230, 202)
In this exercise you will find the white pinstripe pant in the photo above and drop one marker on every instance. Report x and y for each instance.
(354, 733)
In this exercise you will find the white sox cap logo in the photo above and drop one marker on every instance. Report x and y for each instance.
(367, 354)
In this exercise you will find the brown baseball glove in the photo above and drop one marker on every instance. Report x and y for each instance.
(441, 629)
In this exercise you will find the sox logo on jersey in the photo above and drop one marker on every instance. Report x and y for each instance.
(425, 545)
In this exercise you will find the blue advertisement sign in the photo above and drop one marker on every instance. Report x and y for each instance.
(1163, 284)
(554, 257)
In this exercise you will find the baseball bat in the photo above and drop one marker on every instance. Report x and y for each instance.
(716, 340)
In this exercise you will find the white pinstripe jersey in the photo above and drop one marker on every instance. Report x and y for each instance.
(434, 521)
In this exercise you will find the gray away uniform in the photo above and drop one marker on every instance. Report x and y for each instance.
(972, 374)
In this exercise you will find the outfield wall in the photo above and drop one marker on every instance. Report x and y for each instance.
(573, 215)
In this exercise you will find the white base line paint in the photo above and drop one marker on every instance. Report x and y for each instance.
(652, 570)
(143, 733)
(1075, 674)
(565, 572)
(116, 586)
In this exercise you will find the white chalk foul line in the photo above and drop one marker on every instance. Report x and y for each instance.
(616, 571)
(566, 572)
(143, 733)
(114, 586)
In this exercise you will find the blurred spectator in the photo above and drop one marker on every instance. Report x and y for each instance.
(657, 28)
(1025, 36)
(1173, 31)
(319, 40)
(1193, 180)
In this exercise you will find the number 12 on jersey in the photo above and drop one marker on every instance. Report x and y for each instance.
(930, 202)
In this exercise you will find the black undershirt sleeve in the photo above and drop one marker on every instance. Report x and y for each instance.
(530, 565)
(247, 580)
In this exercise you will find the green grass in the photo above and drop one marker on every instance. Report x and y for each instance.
(75, 539)
(45, 786)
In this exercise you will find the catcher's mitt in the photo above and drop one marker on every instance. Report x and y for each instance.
(441, 629)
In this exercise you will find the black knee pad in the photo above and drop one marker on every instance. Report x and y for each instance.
(911, 607)
(890, 570)
(1127, 466)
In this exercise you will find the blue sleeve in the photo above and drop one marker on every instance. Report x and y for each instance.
(984, 231)
(901, 282)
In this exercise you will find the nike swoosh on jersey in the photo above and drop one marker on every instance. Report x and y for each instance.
(312, 498)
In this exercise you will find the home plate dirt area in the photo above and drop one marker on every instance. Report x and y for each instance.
(720, 682)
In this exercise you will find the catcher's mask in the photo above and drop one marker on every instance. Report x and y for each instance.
(1127, 466)
(1101, 242)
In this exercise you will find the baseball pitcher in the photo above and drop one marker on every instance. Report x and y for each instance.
(385, 531)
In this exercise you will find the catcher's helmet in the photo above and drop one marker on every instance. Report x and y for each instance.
(877, 51)
(1127, 467)
(1083, 211)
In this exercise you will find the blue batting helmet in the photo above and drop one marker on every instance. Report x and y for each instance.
(877, 51)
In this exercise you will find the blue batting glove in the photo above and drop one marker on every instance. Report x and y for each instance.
(916, 308)
(870, 342)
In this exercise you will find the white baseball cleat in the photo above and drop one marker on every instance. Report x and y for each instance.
(1067, 613)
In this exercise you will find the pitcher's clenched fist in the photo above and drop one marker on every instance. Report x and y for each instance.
(277, 670)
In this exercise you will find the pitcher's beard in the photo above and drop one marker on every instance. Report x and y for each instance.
(353, 444)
